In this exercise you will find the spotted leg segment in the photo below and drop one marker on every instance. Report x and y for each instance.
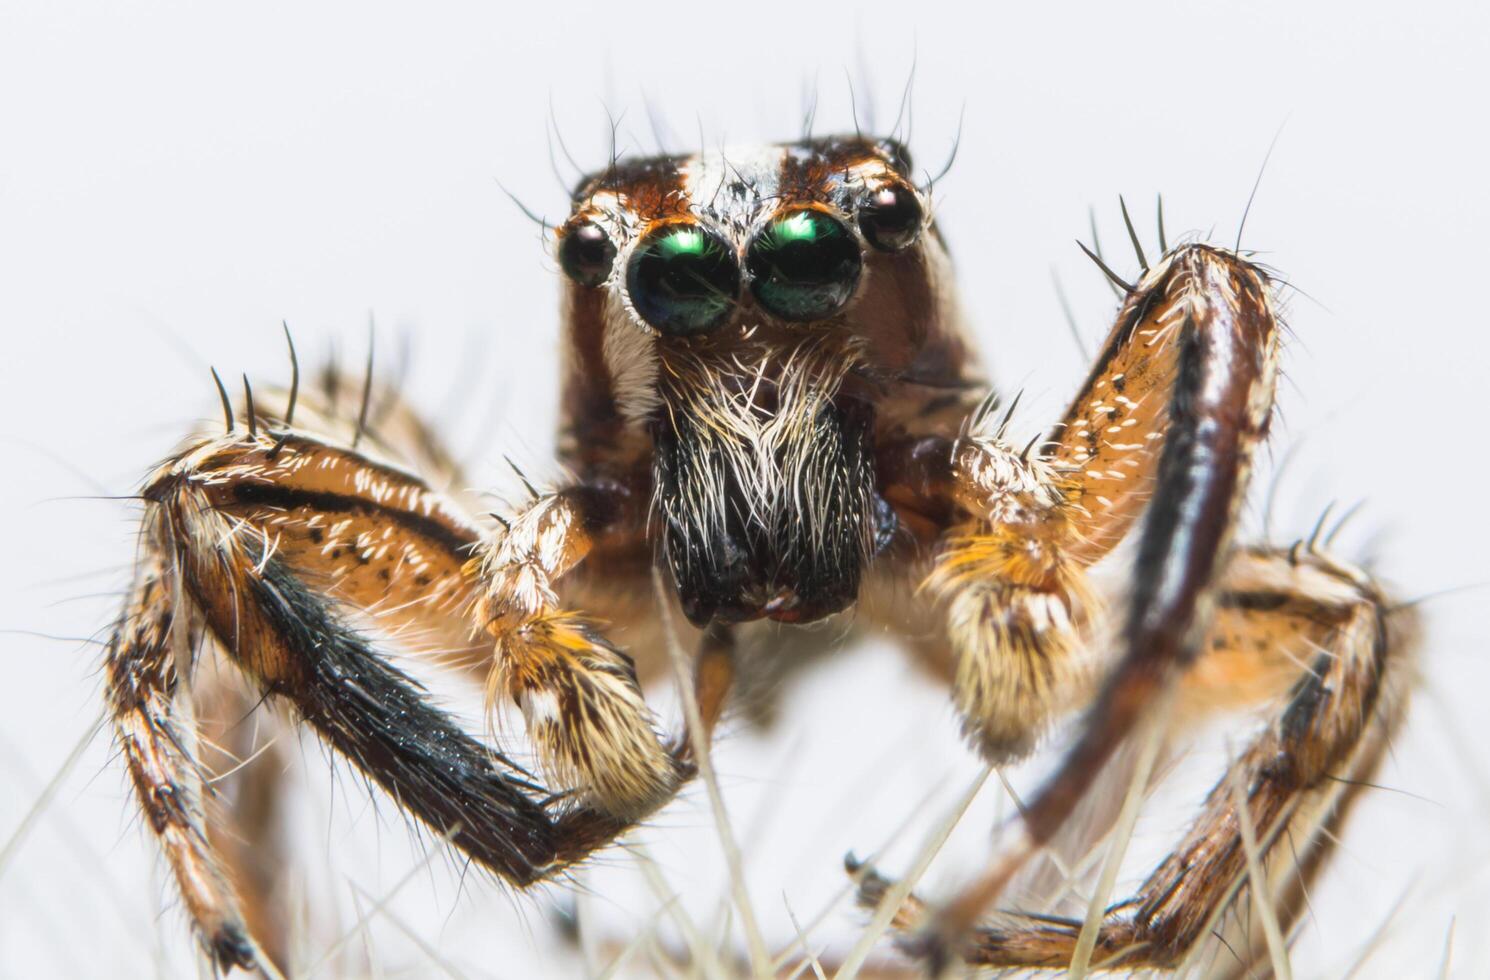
(1164, 428)
(244, 746)
(277, 547)
(1169, 414)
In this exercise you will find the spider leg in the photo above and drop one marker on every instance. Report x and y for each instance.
(244, 750)
(265, 543)
(1164, 426)
(155, 736)
(240, 744)
(1315, 640)
(579, 694)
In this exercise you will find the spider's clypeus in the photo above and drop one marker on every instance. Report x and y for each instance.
(770, 411)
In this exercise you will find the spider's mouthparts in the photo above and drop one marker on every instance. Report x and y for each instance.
(776, 523)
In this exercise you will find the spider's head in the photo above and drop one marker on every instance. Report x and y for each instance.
(693, 246)
(753, 315)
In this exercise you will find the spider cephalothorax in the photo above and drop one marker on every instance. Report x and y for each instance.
(739, 323)
(737, 319)
(768, 397)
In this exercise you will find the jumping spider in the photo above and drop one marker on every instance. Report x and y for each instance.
(770, 407)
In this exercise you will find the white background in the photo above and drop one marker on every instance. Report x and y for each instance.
(175, 179)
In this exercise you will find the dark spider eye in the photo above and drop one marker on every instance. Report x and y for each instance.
(586, 254)
(683, 280)
(804, 266)
(891, 217)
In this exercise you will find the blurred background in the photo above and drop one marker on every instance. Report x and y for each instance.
(176, 179)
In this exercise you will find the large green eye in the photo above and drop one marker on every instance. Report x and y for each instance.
(682, 280)
(804, 266)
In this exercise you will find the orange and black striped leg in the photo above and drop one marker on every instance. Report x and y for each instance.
(262, 543)
(420, 596)
(235, 530)
(1164, 426)
(1314, 641)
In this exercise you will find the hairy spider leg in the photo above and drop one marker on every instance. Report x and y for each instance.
(264, 542)
(1314, 642)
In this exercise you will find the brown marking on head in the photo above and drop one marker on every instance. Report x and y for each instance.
(651, 188)
(811, 168)
(900, 318)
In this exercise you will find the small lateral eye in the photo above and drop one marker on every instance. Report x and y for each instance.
(891, 217)
(804, 266)
(586, 254)
(683, 280)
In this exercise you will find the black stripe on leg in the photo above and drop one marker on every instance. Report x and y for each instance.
(453, 539)
(377, 716)
(1223, 356)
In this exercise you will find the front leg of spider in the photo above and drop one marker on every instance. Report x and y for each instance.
(263, 542)
(1165, 426)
